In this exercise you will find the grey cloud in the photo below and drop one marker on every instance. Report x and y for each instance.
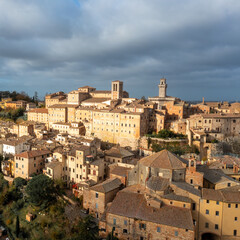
(58, 45)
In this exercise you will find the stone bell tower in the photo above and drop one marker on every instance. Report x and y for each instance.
(117, 90)
(162, 88)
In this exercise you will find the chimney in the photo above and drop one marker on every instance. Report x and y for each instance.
(203, 101)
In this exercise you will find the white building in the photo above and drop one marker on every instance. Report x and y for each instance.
(14, 147)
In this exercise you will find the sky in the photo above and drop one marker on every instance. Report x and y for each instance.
(60, 45)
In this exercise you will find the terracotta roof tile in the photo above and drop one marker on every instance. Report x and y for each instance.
(120, 171)
(158, 183)
(95, 100)
(107, 186)
(134, 205)
(38, 110)
(34, 153)
(165, 160)
(118, 152)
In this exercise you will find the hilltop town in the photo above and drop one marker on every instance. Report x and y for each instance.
(148, 169)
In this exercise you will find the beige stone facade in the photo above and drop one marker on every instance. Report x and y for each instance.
(38, 115)
(216, 126)
(96, 198)
(54, 170)
(219, 214)
(23, 129)
(55, 98)
(130, 217)
(73, 129)
(16, 104)
(80, 165)
(30, 162)
(57, 113)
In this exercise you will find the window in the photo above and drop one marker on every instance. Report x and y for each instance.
(158, 229)
(207, 211)
(217, 202)
(125, 222)
(191, 181)
(176, 233)
(236, 206)
(96, 206)
(96, 195)
(234, 232)
(16, 165)
(142, 226)
(235, 219)
(207, 201)
(229, 205)
(229, 184)
(114, 221)
(216, 226)
(206, 225)
(194, 206)
(124, 230)
(217, 213)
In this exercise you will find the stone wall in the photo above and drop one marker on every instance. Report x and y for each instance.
(129, 229)
(143, 143)
(90, 201)
(194, 178)
(178, 175)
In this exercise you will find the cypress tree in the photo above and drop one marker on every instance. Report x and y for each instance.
(17, 227)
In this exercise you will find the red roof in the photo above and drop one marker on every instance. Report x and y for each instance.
(39, 110)
(31, 154)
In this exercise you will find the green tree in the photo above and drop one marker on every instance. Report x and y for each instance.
(19, 182)
(149, 142)
(165, 133)
(17, 227)
(87, 229)
(35, 97)
(60, 185)
(3, 182)
(40, 190)
(156, 147)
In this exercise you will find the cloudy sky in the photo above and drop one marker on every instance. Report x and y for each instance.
(52, 45)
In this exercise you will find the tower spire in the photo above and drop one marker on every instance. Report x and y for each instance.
(162, 88)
